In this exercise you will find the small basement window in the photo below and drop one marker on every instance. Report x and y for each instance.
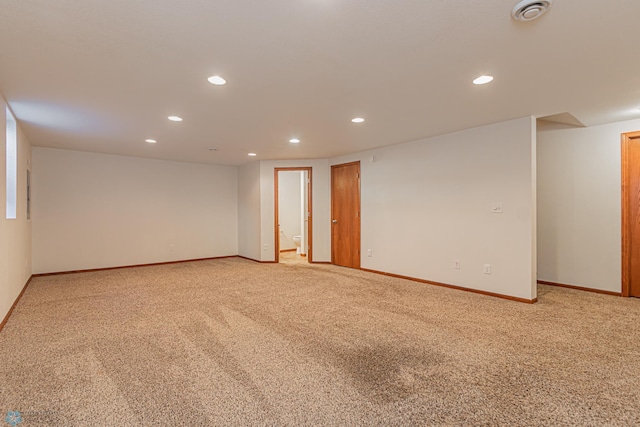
(12, 165)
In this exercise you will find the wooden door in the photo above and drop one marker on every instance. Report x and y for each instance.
(631, 214)
(345, 215)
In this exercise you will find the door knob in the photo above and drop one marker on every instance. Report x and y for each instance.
(335, 221)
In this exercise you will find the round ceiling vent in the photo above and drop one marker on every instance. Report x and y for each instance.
(528, 10)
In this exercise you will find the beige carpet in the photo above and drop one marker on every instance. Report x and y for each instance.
(292, 258)
(234, 342)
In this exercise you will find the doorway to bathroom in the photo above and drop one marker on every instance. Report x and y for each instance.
(293, 219)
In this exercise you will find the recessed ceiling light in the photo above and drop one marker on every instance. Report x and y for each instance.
(217, 80)
(357, 120)
(483, 80)
(294, 141)
(252, 154)
(150, 141)
(213, 149)
(175, 118)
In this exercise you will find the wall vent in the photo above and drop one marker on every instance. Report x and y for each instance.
(528, 10)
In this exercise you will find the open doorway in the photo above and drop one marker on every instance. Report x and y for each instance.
(293, 220)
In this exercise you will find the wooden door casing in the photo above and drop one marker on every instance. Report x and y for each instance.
(276, 245)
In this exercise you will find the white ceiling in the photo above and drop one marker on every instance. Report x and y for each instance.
(103, 76)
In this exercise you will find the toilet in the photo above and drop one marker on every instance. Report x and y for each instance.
(296, 240)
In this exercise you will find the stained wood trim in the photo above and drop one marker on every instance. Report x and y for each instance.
(276, 244)
(91, 270)
(459, 288)
(6, 318)
(321, 262)
(255, 260)
(276, 217)
(580, 288)
(288, 250)
(626, 226)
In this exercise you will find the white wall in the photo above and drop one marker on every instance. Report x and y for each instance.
(289, 207)
(424, 204)
(428, 203)
(249, 211)
(15, 234)
(95, 210)
(579, 205)
(321, 207)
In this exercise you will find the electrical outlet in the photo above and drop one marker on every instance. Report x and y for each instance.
(456, 264)
(265, 247)
(172, 247)
(496, 208)
(487, 269)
